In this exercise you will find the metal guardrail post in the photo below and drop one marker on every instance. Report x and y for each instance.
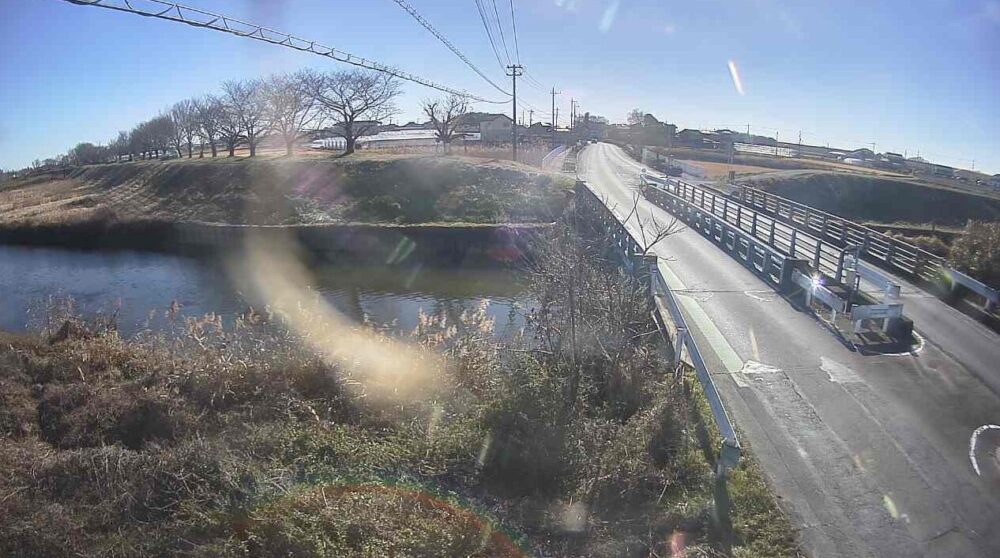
(645, 266)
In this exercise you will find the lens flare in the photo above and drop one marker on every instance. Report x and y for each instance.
(737, 81)
(379, 367)
(608, 19)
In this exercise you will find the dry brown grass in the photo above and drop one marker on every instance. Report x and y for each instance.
(211, 441)
(373, 187)
(721, 170)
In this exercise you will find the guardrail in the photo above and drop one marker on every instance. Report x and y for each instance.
(729, 453)
(729, 223)
(780, 254)
(552, 154)
(875, 246)
(627, 249)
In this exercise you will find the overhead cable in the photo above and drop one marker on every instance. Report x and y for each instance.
(200, 18)
(426, 24)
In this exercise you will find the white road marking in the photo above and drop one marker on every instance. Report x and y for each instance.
(729, 357)
(753, 368)
(756, 295)
(972, 445)
(838, 372)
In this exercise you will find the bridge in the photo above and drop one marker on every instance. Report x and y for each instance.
(871, 454)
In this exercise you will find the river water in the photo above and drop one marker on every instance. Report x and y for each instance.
(135, 284)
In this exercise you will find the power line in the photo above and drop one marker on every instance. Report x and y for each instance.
(200, 18)
(420, 19)
(513, 25)
(514, 71)
(489, 34)
(503, 39)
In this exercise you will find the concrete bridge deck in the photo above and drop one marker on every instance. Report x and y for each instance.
(870, 454)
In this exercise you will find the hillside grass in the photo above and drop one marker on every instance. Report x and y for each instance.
(879, 199)
(211, 441)
(371, 188)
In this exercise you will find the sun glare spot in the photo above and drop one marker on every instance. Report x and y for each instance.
(737, 81)
(890, 506)
(678, 544)
(610, 13)
(568, 5)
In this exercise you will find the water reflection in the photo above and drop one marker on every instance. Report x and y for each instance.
(133, 284)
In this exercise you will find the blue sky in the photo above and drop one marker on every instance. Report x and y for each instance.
(915, 76)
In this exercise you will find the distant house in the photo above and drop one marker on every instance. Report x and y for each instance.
(864, 154)
(493, 128)
(894, 158)
(944, 171)
(727, 137)
(417, 126)
(994, 181)
(539, 130)
(366, 127)
(690, 137)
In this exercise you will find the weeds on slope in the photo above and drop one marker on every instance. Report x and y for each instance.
(563, 440)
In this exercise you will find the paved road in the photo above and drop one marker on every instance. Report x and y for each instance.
(869, 454)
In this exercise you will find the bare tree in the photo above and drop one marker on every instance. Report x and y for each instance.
(120, 146)
(446, 115)
(245, 99)
(208, 112)
(152, 136)
(289, 108)
(355, 100)
(230, 128)
(635, 117)
(87, 154)
(185, 118)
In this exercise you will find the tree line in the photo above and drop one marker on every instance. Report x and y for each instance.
(287, 107)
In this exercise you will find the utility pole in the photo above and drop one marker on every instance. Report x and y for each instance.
(749, 137)
(555, 116)
(531, 117)
(514, 71)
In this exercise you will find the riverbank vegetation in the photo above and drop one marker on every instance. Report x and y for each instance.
(977, 252)
(364, 189)
(567, 439)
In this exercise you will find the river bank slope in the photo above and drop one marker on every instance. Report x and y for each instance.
(283, 191)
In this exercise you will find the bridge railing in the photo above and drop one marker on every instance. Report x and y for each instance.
(702, 207)
(782, 255)
(623, 245)
(876, 247)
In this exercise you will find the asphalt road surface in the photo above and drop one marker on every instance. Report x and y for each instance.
(870, 455)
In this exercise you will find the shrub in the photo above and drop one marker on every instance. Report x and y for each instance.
(977, 252)
(365, 520)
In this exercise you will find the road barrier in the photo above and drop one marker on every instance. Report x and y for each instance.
(761, 243)
(876, 247)
(779, 253)
(624, 247)
(553, 154)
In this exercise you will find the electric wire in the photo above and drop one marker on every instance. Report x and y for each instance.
(426, 24)
(199, 18)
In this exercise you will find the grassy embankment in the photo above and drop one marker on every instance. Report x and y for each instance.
(368, 188)
(212, 442)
